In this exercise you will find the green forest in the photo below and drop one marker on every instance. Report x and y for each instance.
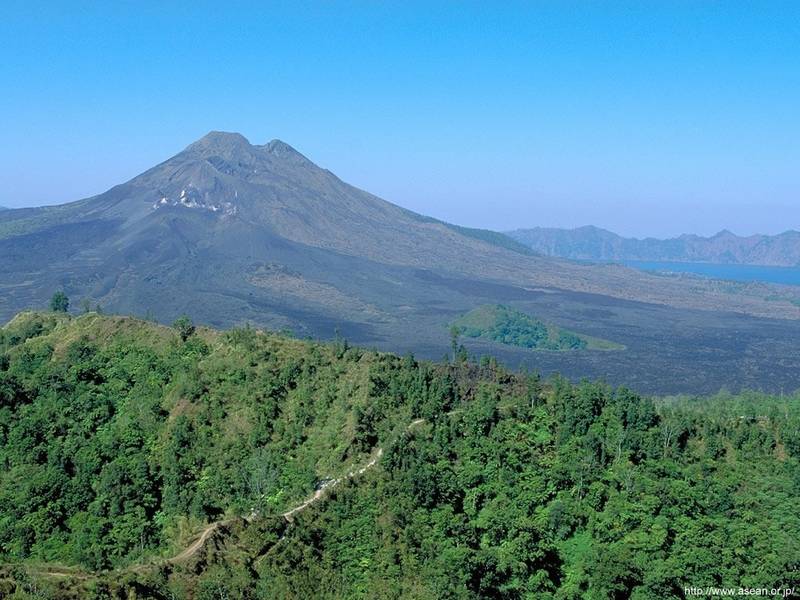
(505, 325)
(144, 461)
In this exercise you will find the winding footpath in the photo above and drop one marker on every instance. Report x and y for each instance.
(289, 515)
(198, 544)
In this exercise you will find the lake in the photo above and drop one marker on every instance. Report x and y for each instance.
(784, 275)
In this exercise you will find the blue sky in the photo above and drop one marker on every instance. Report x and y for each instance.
(648, 118)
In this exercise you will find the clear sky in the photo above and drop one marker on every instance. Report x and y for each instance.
(648, 118)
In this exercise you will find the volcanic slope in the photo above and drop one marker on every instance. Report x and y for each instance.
(229, 232)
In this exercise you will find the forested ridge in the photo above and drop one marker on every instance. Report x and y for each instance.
(121, 439)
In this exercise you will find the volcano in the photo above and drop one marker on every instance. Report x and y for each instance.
(230, 232)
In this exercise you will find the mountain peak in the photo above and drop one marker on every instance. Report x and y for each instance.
(285, 153)
(220, 140)
(277, 145)
(280, 148)
(226, 144)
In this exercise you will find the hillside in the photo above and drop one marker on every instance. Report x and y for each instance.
(140, 462)
(593, 243)
(230, 233)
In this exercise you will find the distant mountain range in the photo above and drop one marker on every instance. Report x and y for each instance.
(229, 233)
(593, 243)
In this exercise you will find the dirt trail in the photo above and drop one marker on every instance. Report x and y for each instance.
(331, 484)
(209, 530)
(289, 514)
(198, 544)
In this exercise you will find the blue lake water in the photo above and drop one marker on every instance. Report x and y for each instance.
(785, 275)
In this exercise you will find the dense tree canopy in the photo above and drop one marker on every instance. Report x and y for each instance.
(119, 439)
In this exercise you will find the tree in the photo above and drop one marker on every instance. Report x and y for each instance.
(59, 302)
(185, 327)
(455, 332)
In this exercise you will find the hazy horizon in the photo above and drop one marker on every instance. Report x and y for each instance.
(649, 121)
